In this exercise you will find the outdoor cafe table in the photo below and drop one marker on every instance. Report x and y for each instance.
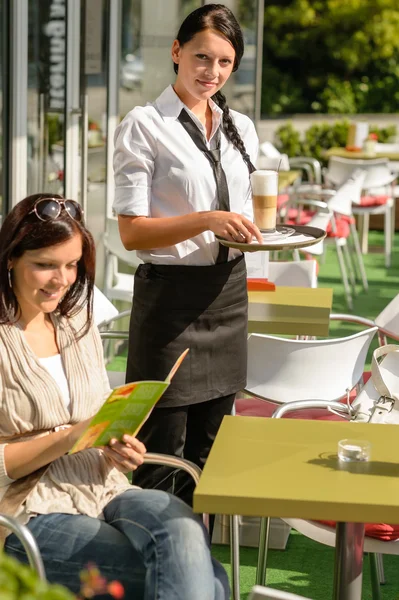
(359, 154)
(289, 468)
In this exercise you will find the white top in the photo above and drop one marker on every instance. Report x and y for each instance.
(160, 172)
(54, 366)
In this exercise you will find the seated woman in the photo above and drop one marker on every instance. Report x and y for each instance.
(79, 507)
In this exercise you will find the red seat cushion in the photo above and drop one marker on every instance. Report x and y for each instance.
(342, 222)
(379, 531)
(373, 200)
(255, 407)
(281, 200)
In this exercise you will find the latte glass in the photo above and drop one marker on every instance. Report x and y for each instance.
(264, 199)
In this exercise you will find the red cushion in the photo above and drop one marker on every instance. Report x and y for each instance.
(342, 222)
(379, 531)
(373, 200)
(281, 200)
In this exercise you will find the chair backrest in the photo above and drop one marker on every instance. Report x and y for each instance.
(265, 593)
(388, 319)
(103, 309)
(389, 369)
(348, 193)
(293, 274)
(340, 169)
(284, 370)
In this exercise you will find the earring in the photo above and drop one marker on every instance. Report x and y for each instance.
(9, 278)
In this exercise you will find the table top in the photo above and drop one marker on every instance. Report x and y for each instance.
(290, 311)
(342, 153)
(289, 468)
(303, 236)
(287, 178)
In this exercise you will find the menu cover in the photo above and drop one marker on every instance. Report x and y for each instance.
(124, 411)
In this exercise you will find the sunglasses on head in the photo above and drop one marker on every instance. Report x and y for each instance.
(48, 209)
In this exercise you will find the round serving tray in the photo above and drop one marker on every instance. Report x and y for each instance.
(302, 237)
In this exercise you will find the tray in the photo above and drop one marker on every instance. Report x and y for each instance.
(303, 236)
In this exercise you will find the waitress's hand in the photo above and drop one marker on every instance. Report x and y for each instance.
(233, 227)
(125, 455)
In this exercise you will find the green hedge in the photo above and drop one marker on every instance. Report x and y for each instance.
(321, 136)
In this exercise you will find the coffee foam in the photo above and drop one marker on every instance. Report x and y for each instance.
(264, 183)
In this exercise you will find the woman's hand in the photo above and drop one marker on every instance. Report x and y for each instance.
(233, 227)
(126, 455)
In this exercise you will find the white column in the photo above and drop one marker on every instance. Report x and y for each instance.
(18, 107)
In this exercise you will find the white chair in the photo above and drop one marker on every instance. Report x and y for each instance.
(117, 285)
(294, 274)
(103, 309)
(324, 534)
(378, 198)
(259, 592)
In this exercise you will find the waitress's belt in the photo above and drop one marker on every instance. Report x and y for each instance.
(203, 308)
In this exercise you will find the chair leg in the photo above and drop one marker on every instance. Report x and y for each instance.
(235, 556)
(388, 236)
(350, 268)
(375, 582)
(359, 257)
(344, 275)
(264, 535)
(364, 238)
(380, 568)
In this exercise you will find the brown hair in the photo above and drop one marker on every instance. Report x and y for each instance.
(22, 230)
(219, 18)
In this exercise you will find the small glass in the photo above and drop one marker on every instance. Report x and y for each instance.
(354, 450)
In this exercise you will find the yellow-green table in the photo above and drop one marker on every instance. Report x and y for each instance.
(342, 153)
(290, 311)
(287, 178)
(289, 468)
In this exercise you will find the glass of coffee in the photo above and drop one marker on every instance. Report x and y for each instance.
(264, 199)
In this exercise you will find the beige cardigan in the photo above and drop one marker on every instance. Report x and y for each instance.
(31, 401)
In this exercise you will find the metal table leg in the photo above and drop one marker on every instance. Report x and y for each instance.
(235, 556)
(348, 570)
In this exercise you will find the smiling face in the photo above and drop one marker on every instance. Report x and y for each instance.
(205, 63)
(40, 278)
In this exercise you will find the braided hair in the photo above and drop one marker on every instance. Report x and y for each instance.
(219, 18)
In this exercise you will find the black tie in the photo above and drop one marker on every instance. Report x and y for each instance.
(213, 156)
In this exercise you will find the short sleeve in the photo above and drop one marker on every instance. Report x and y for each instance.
(134, 154)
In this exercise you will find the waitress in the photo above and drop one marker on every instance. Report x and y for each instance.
(182, 167)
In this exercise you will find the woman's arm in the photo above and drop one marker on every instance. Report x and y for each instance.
(142, 233)
(23, 458)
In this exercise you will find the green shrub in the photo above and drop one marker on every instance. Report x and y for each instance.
(20, 582)
(321, 136)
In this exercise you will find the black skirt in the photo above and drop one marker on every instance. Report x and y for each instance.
(203, 308)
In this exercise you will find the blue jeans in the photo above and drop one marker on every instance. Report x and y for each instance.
(149, 540)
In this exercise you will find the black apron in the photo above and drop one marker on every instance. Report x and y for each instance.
(203, 308)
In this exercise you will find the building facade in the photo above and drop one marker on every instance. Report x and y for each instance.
(71, 69)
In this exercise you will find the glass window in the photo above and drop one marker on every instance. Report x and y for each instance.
(148, 30)
(46, 96)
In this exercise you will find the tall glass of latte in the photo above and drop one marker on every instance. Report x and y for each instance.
(264, 198)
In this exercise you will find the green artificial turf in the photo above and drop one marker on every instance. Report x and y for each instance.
(305, 568)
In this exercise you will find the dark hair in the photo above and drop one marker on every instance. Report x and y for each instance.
(219, 18)
(22, 231)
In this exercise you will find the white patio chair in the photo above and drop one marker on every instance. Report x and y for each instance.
(287, 273)
(378, 198)
(259, 592)
(117, 285)
(324, 534)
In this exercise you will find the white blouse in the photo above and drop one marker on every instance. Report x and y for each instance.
(54, 366)
(160, 172)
